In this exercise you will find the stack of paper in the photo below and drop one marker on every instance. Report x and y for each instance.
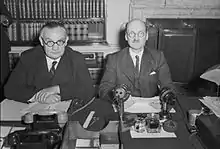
(38, 107)
(10, 110)
(213, 103)
(144, 105)
(213, 74)
(87, 143)
(162, 134)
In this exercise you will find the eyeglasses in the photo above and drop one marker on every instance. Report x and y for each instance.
(133, 34)
(51, 43)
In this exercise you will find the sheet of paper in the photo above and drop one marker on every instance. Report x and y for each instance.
(162, 134)
(212, 75)
(10, 110)
(213, 103)
(5, 130)
(35, 107)
(87, 143)
(144, 105)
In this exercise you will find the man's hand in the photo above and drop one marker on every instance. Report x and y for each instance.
(48, 95)
(51, 99)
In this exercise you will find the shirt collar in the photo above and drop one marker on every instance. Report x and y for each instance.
(133, 54)
(50, 61)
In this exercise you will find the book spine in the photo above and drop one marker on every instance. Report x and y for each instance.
(102, 6)
(22, 31)
(40, 8)
(14, 9)
(31, 5)
(24, 9)
(50, 9)
(20, 8)
(46, 9)
(36, 9)
(64, 8)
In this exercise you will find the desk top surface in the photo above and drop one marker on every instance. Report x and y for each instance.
(183, 140)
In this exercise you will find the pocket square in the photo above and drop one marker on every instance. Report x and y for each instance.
(152, 73)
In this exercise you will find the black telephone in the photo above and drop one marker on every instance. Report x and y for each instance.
(44, 131)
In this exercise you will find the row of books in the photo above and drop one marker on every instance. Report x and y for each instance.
(82, 31)
(56, 9)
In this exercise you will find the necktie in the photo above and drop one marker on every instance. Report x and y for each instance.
(52, 69)
(137, 91)
(137, 64)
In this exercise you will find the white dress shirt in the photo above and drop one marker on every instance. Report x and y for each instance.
(133, 54)
(50, 61)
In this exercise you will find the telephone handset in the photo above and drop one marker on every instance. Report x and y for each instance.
(46, 117)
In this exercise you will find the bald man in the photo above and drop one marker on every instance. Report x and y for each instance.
(50, 72)
(143, 70)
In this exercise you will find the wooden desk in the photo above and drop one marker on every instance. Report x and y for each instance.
(184, 139)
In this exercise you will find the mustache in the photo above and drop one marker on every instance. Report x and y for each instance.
(136, 40)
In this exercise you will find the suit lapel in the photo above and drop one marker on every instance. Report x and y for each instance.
(146, 63)
(62, 72)
(127, 66)
(42, 65)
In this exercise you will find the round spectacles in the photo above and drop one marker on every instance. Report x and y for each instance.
(133, 34)
(51, 43)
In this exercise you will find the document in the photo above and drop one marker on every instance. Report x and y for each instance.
(213, 103)
(144, 105)
(13, 111)
(10, 110)
(212, 75)
(145, 134)
(36, 107)
(5, 130)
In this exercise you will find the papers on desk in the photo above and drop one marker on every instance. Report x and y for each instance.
(5, 130)
(213, 74)
(145, 105)
(213, 103)
(10, 110)
(13, 111)
(37, 107)
(162, 134)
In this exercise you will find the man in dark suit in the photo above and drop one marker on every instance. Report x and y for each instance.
(5, 21)
(144, 71)
(50, 72)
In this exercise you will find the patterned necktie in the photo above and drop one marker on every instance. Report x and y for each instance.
(137, 64)
(52, 69)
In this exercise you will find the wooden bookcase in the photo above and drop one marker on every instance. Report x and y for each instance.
(85, 20)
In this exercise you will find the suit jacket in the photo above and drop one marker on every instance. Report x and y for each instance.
(154, 72)
(5, 44)
(31, 75)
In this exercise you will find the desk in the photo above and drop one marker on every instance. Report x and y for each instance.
(106, 113)
(184, 139)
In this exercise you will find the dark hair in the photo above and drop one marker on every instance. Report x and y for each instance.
(53, 24)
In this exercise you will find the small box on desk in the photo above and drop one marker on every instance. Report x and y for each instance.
(209, 130)
(109, 137)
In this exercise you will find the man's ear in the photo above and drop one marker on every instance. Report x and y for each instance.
(41, 41)
(147, 36)
(67, 39)
(126, 36)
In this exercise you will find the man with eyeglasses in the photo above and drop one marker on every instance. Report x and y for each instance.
(141, 69)
(51, 71)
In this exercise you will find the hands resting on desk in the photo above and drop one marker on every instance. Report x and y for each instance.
(47, 95)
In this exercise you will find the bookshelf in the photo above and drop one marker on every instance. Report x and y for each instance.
(85, 20)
